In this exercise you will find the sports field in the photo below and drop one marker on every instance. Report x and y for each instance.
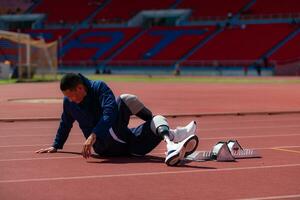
(261, 113)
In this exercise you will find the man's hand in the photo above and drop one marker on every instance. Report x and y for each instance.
(87, 146)
(47, 150)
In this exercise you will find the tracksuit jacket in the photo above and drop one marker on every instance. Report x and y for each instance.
(96, 113)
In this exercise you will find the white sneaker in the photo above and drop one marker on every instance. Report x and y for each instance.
(178, 151)
(180, 133)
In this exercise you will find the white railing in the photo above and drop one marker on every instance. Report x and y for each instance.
(269, 16)
(215, 63)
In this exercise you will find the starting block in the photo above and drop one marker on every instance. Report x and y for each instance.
(224, 152)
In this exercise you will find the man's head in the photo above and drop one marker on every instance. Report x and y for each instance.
(72, 87)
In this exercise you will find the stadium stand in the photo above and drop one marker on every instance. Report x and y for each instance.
(8, 51)
(14, 6)
(273, 9)
(242, 42)
(49, 35)
(66, 11)
(163, 45)
(114, 11)
(289, 52)
(95, 44)
(203, 9)
(221, 33)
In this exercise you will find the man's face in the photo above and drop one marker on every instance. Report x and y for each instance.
(76, 95)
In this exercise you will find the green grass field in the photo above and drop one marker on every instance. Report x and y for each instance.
(172, 79)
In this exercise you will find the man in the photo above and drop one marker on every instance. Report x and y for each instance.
(104, 123)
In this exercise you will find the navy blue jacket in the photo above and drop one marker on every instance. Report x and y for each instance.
(96, 113)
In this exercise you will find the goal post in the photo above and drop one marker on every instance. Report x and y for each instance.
(33, 56)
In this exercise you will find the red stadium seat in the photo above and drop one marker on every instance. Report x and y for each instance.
(66, 11)
(203, 9)
(237, 43)
(149, 43)
(289, 52)
(85, 43)
(120, 11)
(273, 8)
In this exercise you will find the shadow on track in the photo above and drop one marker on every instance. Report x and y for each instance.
(97, 159)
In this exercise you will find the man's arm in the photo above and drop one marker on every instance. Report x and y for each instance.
(109, 110)
(109, 113)
(87, 146)
(65, 126)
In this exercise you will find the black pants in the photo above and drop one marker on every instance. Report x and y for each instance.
(130, 141)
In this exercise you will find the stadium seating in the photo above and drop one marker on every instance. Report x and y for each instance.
(49, 35)
(8, 51)
(115, 12)
(242, 43)
(14, 6)
(165, 44)
(216, 36)
(96, 44)
(66, 11)
(203, 9)
(289, 52)
(273, 8)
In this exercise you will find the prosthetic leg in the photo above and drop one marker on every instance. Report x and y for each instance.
(181, 141)
(176, 152)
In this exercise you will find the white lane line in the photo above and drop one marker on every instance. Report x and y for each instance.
(249, 136)
(202, 129)
(207, 138)
(35, 145)
(158, 151)
(274, 197)
(234, 120)
(32, 159)
(44, 135)
(201, 121)
(285, 147)
(143, 174)
(249, 127)
(31, 127)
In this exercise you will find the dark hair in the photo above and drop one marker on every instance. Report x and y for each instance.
(70, 81)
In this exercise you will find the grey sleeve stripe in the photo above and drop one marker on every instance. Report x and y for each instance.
(115, 137)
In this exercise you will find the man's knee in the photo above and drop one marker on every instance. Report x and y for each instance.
(132, 102)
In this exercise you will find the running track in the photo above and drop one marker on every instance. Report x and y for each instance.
(66, 175)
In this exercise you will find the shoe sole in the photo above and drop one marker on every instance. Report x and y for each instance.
(188, 148)
(191, 146)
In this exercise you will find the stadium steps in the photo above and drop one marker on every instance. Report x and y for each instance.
(70, 34)
(174, 6)
(281, 43)
(83, 23)
(89, 18)
(201, 44)
(32, 7)
(245, 8)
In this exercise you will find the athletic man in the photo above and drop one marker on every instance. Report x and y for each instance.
(104, 123)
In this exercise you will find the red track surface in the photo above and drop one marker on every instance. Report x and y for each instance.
(66, 175)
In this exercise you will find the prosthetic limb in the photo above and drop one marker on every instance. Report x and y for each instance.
(175, 151)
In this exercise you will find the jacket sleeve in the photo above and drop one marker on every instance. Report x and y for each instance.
(65, 126)
(109, 110)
